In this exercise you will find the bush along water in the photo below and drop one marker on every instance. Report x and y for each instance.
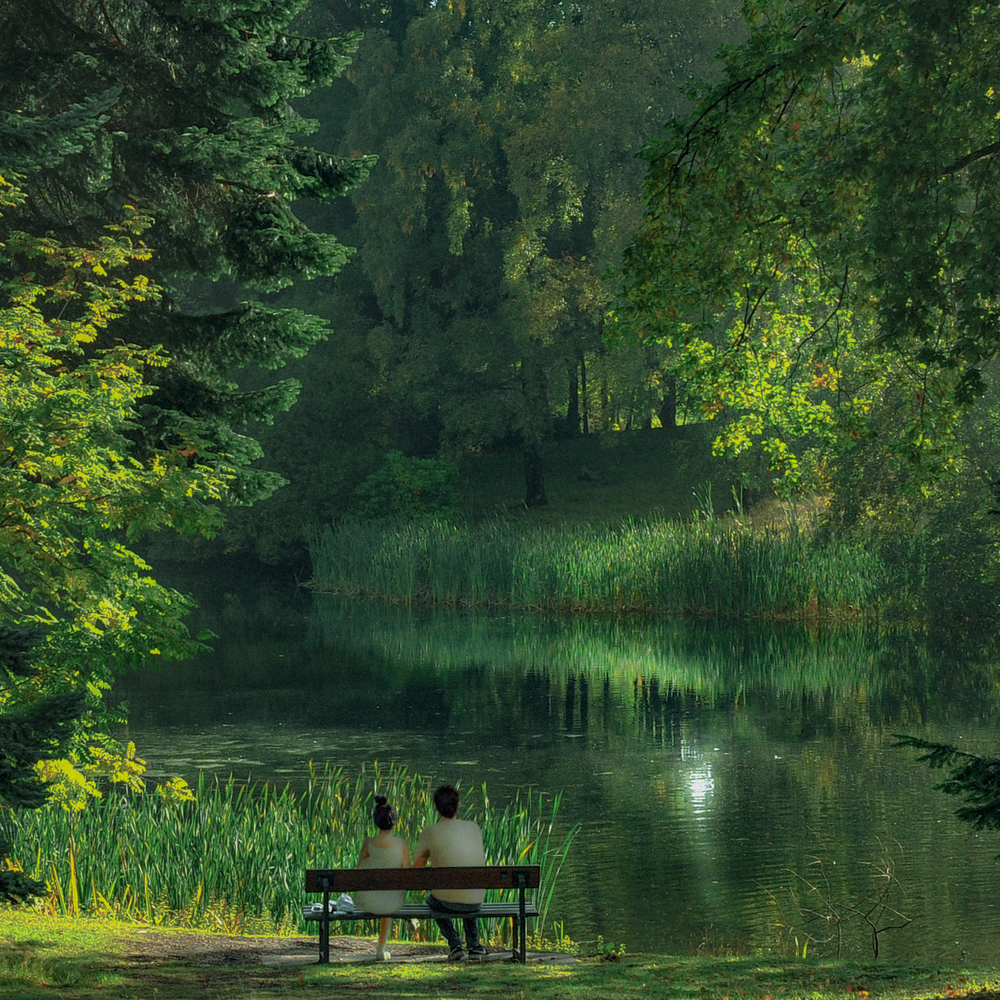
(234, 859)
(708, 567)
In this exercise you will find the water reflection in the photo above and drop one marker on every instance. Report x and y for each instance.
(707, 763)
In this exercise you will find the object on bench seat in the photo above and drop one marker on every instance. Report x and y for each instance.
(339, 880)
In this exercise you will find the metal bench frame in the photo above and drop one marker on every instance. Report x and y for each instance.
(334, 881)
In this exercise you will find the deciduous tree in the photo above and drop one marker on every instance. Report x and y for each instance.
(507, 185)
(77, 605)
(819, 241)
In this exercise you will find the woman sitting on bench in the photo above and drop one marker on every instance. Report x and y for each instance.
(383, 851)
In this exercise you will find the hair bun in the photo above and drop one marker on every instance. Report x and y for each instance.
(380, 800)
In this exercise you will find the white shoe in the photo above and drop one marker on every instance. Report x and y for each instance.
(382, 956)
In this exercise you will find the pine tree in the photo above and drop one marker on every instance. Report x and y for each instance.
(971, 775)
(181, 108)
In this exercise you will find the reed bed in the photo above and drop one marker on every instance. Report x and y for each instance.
(234, 859)
(708, 567)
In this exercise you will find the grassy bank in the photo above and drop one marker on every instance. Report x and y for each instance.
(80, 959)
(721, 568)
(234, 860)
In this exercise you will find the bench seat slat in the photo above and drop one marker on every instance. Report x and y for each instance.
(422, 911)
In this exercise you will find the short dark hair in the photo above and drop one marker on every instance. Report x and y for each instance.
(446, 801)
(385, 815)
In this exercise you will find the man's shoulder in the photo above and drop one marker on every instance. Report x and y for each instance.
(452, 826)
(467, 830)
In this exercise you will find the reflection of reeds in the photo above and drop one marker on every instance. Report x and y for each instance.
(715, 659)
(235, 858)
(708, 567)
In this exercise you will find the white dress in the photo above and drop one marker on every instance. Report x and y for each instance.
(382, 901)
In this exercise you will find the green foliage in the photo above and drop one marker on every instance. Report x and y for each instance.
(940, 548)
(507, 184)
(37, 731)
(234, 857)
(71, 491)
(327, 444)
(29, 143)
(974, 777)
(409, 487)
(819, 241)
(75, 603)
(182, 109)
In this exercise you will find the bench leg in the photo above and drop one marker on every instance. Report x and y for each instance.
(324, 931)
(513, 938)
(521, 921)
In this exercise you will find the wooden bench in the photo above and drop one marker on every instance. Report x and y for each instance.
(334, 881)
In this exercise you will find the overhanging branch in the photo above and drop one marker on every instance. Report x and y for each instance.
(979, 154)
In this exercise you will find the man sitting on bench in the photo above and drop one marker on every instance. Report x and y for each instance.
(453, 843)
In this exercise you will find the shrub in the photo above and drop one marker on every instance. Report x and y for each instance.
(409, 487)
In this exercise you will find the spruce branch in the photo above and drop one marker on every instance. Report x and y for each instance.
(971, 775)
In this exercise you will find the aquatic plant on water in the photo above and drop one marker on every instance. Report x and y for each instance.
(235, 858)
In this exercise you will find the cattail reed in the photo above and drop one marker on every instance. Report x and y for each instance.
(235, 858)
(708, 567)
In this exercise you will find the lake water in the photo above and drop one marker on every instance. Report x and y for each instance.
(717, 771)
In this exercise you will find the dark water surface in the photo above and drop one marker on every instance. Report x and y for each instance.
(718, 771)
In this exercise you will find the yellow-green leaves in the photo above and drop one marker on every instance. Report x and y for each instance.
(68, 788)
(841, 174)
(73, 485)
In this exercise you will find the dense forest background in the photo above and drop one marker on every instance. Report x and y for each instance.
(508, 185)
(487, 321)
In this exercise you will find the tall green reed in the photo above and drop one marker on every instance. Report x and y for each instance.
(235, 858)
(706, 567)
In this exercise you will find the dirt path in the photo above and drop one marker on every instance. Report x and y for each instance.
(149, 946)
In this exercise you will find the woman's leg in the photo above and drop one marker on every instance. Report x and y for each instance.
(385, 925)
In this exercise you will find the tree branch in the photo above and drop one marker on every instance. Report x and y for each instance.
(979, 154)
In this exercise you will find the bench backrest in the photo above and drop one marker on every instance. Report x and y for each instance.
(357, 879)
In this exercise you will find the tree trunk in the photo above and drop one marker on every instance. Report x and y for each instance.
(668, 408)
(573, 409)
(534, 477)
(583, 393)
(533, 431)
(607, 417)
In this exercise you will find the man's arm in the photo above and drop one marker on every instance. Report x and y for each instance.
(422, 852)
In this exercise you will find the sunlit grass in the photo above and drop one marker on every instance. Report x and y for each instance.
(706, 567)
(235, 859)
(87, 959)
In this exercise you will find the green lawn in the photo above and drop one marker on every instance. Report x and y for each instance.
(83, 959)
